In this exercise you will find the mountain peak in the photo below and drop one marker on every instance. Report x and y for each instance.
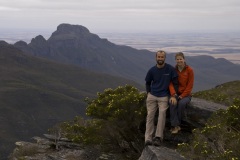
(38, 39)
(3, 43)
(68, 28)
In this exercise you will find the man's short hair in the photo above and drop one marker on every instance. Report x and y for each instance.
(161, 51)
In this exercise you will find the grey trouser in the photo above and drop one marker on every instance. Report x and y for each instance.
(177, 112)
(154, 103)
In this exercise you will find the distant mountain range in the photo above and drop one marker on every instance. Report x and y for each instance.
(74, 44)
(45, 82)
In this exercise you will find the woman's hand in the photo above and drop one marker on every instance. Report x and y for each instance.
(173, 101)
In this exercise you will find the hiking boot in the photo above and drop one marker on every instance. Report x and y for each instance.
(171, 129)
(148, 143)
(179, 128)
(157, 141)
(175, 130)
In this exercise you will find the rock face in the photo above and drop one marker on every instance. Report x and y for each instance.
(39, 45)
(52, 148)
(66, 29)
(45, 149)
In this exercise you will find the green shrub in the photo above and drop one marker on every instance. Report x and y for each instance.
(219, 139)
(116, 116)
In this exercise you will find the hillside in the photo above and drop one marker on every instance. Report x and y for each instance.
(36, 93)
(75, 44)
(227, 93)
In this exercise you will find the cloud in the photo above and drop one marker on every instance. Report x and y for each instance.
(8, 9)
(120, 4)
(143, 14)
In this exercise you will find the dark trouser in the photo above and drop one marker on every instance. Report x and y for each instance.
(177, 112)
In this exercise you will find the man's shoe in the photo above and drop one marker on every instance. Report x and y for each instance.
(157, 141)
(148, 143)
(175, 130)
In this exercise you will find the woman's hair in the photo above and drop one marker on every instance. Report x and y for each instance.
(179, 54)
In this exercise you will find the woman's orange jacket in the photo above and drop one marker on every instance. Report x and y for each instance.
(185, 82)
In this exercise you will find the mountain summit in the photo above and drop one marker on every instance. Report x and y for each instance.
(74, 44)
(68, 29)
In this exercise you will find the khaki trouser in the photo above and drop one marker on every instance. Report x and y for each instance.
(154, 103)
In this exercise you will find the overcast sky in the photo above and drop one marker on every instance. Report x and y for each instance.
(122, 15)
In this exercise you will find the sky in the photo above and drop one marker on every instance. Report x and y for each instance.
(122, 15)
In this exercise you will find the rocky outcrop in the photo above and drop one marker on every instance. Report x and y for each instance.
(21, 45)
(3, 43)
(160, 153)
(39, 46)
(66, 28)
(51, 148)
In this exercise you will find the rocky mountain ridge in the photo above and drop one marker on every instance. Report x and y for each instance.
(75, 44)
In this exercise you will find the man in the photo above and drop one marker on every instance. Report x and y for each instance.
(158, 79)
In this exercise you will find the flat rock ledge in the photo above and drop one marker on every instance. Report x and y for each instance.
(160, 153)
(206, 105)
(45, 149)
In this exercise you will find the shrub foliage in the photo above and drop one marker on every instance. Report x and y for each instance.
(114, 125)
(220, 138)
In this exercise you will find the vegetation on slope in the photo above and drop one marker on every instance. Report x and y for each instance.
(227, 93)
(220, 138)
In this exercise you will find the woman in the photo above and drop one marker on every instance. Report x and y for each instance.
(183, 95)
